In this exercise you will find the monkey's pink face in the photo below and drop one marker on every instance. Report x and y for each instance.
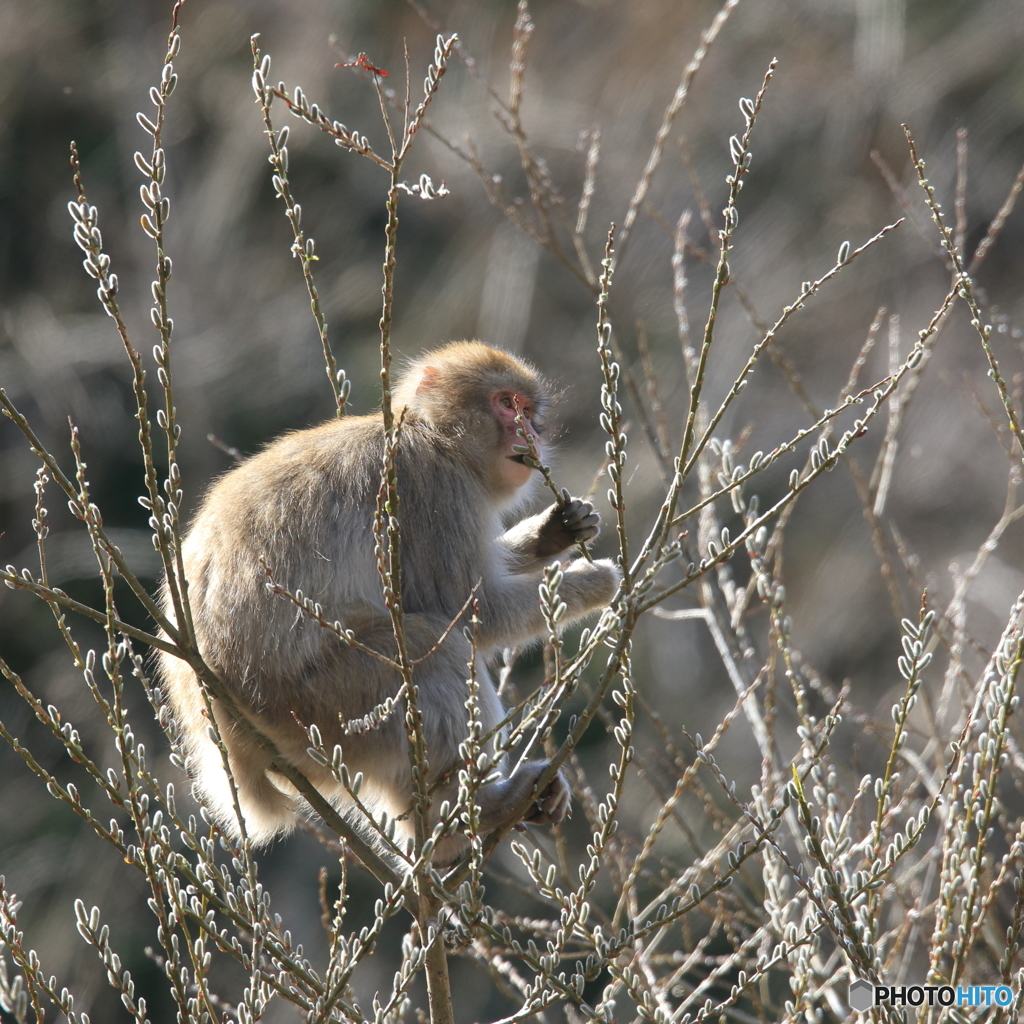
(508, 408)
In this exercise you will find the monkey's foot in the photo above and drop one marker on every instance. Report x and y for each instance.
(501, 800)
(552, 804)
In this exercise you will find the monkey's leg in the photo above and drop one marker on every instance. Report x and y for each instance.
(343, 685)
(500, 802)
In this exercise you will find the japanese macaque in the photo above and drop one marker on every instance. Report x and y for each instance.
(305, 506)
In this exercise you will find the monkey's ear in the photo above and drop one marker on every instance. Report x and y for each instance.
(430, 376)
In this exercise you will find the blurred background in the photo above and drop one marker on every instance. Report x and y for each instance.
(247, 357)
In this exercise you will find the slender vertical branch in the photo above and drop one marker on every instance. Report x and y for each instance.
(611, 415)
(532, 457)
(966, 290)
(303, 247)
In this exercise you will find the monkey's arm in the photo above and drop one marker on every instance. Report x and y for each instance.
(510, 612)
(536, 540)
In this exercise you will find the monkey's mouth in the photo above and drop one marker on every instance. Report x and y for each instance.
(520, 458)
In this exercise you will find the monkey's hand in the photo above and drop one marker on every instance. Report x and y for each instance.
(560, 528)
(539, 538)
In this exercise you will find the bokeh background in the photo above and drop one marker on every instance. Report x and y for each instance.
(247, 357)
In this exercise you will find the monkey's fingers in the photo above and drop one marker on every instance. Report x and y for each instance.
(576, 510)
(580, 519)
(586, 531)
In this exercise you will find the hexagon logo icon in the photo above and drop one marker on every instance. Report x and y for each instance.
(861, 995)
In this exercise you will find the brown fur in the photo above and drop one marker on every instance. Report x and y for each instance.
(305, 505)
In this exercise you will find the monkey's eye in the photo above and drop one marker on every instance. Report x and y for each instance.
(517, 404)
